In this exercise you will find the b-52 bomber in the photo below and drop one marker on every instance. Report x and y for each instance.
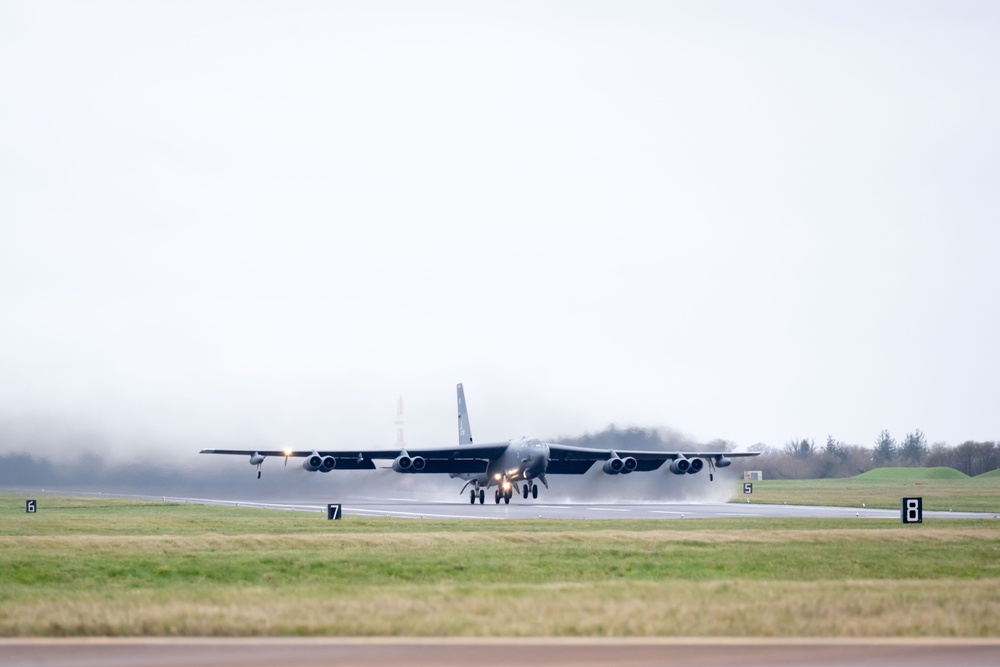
(512, 467)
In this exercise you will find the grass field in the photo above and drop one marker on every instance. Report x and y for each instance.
(941, 488)
(86, 566)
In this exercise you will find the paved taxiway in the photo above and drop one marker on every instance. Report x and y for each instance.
(340, 652)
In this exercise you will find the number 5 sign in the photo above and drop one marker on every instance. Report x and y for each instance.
(912, 510)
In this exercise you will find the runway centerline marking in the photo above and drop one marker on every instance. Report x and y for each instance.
(608, 509)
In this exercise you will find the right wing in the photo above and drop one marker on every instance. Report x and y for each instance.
(450, 459)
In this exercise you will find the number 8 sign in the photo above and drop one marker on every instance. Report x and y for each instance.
(912, 510)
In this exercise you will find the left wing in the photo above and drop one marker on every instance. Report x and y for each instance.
(568, 460)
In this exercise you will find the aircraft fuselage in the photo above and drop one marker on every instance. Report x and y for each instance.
(524, 459)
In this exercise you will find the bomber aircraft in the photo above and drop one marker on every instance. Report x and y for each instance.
(512, 466)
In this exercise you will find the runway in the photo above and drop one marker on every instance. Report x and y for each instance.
(418, 509)
(519, 508)
(348, 652)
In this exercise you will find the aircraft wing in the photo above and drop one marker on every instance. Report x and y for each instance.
(568, 460)
(450, 459)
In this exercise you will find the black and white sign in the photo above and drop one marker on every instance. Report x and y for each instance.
(748, 487)
(30, 506)
(912, 510)
(333, 512)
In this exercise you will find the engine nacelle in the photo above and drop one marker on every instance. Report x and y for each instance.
(722, 461)
(418, 464)
(680, 466)
(613, 466)
(328, 464)
(629, 464)
(696, 466)
(256, 459)
(313, 462)
(403, 463)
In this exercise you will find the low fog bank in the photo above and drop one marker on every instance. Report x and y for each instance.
(231, 477)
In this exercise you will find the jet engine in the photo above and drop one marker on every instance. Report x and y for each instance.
(313, 462)
(328, 464)
(680, 465)
(696, 466)
(617, 465)
(613, 466)
(404, 463)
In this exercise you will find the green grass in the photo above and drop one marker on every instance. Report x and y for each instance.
(87, 566)
(942, 489)
(911, 474)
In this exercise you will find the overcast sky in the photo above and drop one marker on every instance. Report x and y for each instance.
(259, 223)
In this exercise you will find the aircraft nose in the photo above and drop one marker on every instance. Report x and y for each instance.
(533, 461)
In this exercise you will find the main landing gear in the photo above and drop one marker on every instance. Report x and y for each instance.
(505, 494)
(473, 494)
(532, 489)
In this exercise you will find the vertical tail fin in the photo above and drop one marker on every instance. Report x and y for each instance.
(464, 430)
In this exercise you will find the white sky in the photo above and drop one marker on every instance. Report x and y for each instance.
(258, 223)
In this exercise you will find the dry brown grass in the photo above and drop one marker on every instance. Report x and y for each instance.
(457, 540)
(732, 608)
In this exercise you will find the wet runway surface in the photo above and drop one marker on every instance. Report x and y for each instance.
(519, 508)
(530, 509)
(304, 652)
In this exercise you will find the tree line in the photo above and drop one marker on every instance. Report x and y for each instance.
(802, 459)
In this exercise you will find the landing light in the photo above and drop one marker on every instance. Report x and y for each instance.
(506, 486)
(496, 476)
(288, 451)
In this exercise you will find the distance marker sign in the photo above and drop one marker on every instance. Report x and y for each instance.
(911, 510)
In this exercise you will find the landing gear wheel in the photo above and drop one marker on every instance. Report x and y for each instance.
(482, 496)
(526, 490)
(472, 496)
(498, 496)
(506, 499)
(534, 490)
(258, 474)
